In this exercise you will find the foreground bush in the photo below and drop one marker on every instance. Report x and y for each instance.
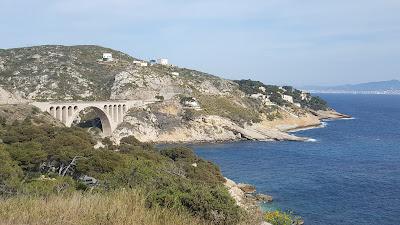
(49, 162)
(278, 218)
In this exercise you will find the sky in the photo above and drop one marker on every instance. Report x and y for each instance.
(291, 42)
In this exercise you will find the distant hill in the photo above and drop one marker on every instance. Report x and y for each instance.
(380, 87)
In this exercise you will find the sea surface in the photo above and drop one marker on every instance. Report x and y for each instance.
(350, 174)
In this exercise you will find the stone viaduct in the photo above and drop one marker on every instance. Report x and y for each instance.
(111, 113)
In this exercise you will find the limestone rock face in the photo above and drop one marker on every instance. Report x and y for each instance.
(244, 195)
(165, 122)
(59, 72)
(247, 188)
(144, 84)
(264, 198)
(7, 97)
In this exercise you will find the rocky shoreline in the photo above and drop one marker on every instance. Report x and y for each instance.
(247, 197)
(160, 125)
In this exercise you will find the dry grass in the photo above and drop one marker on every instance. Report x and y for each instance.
(119, 207)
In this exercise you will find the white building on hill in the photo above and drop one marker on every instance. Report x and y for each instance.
(192, 103)
(107, 57)
(162, 61)
(287, 98)
(305, 96)
(140, 63)
(175, 73)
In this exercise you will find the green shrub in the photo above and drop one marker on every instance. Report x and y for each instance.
(213, 204)
(10, 173)
(100, 162)
(130, 143)
(252, 87)
(278, 218)
(160, 98)
(173, 177)
(46, 186)
(317, 103)
(130, 140)
(29, 155)
(179, 153)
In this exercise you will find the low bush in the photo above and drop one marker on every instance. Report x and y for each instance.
(46, 186)
(278, 218)
(179, 153)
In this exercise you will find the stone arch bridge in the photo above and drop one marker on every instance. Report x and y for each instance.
(111, 113)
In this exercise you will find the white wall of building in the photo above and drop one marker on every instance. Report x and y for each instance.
(162, 61)
(107, 57)
(288, 98)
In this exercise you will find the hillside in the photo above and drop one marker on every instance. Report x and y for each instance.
(58, 171)
(192, 106)
(74, 73)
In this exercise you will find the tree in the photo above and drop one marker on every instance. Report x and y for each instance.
(28, 155)
(179, 153)
(10, 172)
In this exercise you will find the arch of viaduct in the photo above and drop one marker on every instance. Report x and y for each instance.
(111, 113)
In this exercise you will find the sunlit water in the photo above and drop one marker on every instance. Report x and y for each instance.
(349, 174)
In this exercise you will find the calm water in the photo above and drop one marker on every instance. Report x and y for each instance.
(350, 175)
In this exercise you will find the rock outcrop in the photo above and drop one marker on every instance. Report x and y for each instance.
(245, 195)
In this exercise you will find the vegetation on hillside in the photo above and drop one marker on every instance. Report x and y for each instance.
(312, 102)
(275, 94)
(47, 161)
(282, 218)
(225, 107)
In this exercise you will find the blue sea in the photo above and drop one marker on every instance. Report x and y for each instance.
(349, 176)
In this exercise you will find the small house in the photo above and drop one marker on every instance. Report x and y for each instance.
(140, 63)
(287, 98)
(257, 96)
(191, 103)
(162, 61)
(263, 89)
(107, 57)
(305, 96)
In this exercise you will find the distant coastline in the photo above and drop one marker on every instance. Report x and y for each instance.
(390, 92)
(389, 87)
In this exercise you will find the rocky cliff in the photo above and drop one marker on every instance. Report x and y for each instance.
(191, 106)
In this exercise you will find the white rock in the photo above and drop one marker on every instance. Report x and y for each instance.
(229, 183)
